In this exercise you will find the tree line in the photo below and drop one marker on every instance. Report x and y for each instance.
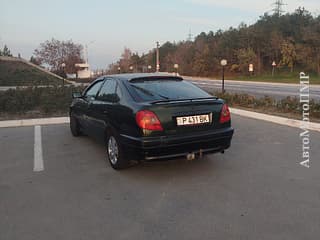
(5, 52)
(292, 41)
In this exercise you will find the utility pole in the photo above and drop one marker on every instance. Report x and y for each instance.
(278, 4)
(158, 61)
(189, 38)
(86, 51)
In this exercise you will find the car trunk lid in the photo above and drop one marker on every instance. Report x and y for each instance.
(187, 115)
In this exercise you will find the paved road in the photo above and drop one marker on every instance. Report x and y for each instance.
(256, 190)
(275, 90)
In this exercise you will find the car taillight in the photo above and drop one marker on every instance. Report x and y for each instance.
(148, 120)
(225, 114)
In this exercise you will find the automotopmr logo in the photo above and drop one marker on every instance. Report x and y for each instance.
(305, 105)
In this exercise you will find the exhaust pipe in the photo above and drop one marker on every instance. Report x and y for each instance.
(191, 156)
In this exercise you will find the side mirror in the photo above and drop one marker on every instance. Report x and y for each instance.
(76, 95)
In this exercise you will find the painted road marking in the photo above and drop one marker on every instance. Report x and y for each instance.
(38, 157)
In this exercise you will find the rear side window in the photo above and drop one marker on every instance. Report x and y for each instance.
(93, 90)
(166, 89)
(108, 91)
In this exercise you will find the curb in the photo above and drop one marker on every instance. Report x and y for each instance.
(275, 119)
(259, 116)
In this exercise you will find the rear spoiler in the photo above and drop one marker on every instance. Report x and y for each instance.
(153, 78)
(184, 100)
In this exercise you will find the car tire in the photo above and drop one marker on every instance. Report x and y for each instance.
(115, 153)
(74, 126)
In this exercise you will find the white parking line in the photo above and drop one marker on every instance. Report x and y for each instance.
(38, 157)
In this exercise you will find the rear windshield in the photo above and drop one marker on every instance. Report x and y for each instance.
(155, 90)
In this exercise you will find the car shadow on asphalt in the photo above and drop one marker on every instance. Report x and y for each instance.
(180, 168)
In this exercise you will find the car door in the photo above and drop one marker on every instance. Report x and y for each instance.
(102, 108)
(85, 105)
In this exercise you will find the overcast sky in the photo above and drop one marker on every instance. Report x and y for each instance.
(109, 26)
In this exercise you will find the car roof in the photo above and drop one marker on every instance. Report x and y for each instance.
(139, 76)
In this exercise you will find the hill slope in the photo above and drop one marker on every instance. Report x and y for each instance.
(19, 72)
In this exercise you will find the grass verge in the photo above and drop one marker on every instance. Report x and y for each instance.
(288, 107)
(279, 78)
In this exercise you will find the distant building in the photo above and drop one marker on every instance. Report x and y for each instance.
(71, 75)
(83, 70)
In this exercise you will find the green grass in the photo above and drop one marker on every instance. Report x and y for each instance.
(278, 78)
(289, 107)
(14, 73)
(36, 102)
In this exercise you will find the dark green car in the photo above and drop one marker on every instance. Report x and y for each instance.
(151, 116)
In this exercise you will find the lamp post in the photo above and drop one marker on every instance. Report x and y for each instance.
(149, 68)
(119, 70)
(251, 69)
(63, 65)
(223, 63)
(176, 66)
(273, 66)
(157, 56)
(131, 68)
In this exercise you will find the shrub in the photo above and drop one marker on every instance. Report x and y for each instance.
(56, 100)
(46, 100)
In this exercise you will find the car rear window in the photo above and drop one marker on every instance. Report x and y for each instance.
(154, 90)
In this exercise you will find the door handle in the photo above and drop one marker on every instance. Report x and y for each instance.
(105, 111)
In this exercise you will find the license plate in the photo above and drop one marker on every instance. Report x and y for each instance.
(193, 120)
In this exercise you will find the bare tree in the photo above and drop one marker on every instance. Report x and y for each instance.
(125, 60)
(54, 52)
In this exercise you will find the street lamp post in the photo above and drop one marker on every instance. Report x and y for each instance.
(251, 69)
(273, 66)
(223, 63)
(119, 70)
(149, 68)
(131, 68)
(86, 48)
(158, 60)
(63, 65)
(176, 66)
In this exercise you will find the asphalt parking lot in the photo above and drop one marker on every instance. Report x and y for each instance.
(256, 190)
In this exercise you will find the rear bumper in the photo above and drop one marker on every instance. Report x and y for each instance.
(150, 148)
